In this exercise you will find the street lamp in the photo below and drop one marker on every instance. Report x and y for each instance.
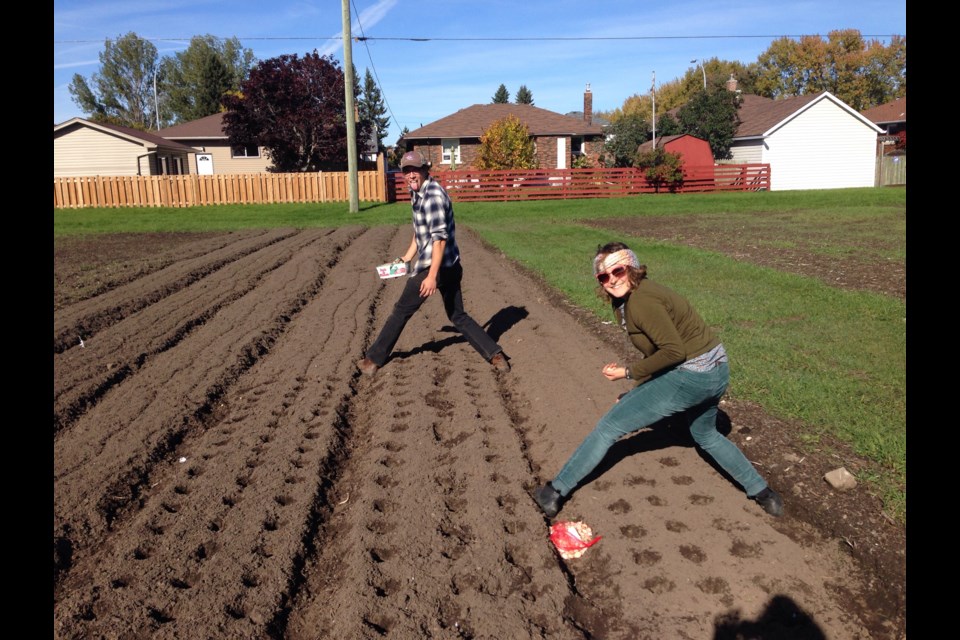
(703, 71)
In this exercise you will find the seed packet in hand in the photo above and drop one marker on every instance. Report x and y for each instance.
(392, 270)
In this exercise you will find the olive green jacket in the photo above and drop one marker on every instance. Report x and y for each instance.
(664, 327)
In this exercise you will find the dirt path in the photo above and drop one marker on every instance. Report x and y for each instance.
(222, 471)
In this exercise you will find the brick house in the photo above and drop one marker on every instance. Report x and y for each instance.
(453, 141)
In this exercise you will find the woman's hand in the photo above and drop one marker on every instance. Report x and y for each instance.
(613, 371)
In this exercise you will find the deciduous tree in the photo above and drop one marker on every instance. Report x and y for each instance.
(713, 117)
(507, 144)
(122, 91)
(862, 74)
(624, 135)
(294, 107)
(196, 79)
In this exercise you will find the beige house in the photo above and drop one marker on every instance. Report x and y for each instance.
(85, 148)
(214, 154)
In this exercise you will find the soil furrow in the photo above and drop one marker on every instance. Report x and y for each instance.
(265, 461)
(149, 415)
(82, 376)
(85, 319)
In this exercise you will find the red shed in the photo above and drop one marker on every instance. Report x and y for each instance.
(694, 152)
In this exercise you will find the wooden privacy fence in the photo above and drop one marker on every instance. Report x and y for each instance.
(379, 186)
(197, 190)
(892, 170)
(470, 185)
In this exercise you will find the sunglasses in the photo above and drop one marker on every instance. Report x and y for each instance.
(616, 272)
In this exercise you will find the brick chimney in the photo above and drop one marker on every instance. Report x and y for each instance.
(588, 105)
(731, 83)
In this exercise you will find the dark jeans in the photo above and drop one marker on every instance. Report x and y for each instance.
(448, 284)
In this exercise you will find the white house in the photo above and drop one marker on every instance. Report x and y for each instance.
(810, 142)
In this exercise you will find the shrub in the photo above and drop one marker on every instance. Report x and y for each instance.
(661, 168)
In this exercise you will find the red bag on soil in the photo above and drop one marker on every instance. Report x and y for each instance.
(572, 539)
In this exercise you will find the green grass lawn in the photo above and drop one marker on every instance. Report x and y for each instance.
(833, 359)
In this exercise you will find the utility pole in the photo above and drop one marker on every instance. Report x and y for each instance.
(156, 101)
(653, 99)
(348, 81)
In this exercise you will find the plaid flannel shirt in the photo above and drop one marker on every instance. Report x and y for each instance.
(433, 220)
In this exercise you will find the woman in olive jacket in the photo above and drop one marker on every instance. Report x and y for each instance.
(682, 368)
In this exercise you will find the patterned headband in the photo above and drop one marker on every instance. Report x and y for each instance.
(624, 256)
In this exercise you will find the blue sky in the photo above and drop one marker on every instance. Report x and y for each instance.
(555, 48)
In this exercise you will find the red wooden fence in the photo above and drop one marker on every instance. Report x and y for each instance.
(470, 185)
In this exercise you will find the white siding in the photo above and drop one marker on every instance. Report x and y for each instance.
(824, 147)
(87, 152)
(747, 152)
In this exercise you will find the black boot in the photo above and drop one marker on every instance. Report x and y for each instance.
(770, 501)
(549, 499)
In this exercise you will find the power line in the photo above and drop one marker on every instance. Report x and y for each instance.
(518, 39)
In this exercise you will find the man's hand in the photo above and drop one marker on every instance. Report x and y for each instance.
(428, 287)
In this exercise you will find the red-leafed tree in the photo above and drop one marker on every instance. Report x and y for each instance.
(295, 108)
(901, 141)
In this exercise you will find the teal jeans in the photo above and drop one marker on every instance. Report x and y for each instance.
(695, 394)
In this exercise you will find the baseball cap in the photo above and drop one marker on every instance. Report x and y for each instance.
(413, 159)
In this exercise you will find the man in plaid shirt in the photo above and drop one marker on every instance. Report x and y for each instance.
(435, 267)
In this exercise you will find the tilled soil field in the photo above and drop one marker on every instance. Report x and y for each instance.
(223, 471)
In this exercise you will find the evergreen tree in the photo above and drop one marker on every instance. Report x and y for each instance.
(502, 96)
(524, 96)
(373, 110)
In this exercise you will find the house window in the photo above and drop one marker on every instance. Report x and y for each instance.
(451, 150)
(576, 145)
(245, 151)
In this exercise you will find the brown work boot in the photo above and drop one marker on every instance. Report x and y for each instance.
(500, 363)
(367, 367)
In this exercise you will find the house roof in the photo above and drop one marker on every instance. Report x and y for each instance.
(472, 121)
(203, 128)
(760, 117)
(892, 112)
(145, 138)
